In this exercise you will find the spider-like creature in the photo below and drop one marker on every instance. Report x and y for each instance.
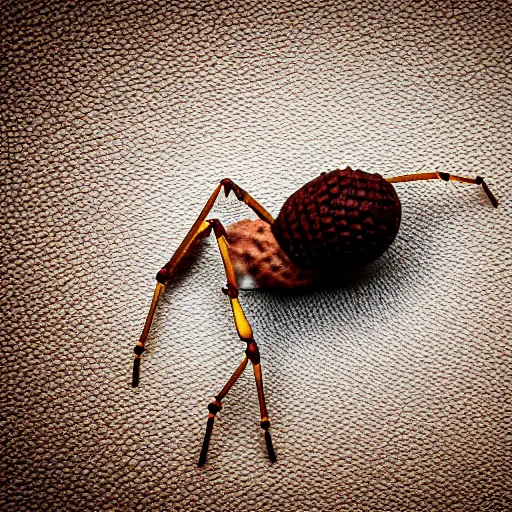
(340, 220)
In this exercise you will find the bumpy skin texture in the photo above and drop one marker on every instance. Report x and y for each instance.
(341, 219)
(256, 254)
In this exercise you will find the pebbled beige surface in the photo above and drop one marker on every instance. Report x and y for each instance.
(118, 119)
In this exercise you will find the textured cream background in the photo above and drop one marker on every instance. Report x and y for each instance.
(118, 119)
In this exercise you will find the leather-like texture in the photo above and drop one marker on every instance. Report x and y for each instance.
(118, 119)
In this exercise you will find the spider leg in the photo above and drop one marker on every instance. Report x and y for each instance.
(445, 177)
(252, 354)
(202, 233)
(199, 230)
(215, 407)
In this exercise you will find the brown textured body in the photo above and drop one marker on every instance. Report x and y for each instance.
(339, 220)
(258, 260)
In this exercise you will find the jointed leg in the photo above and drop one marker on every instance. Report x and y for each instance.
(446, 177)
(215, 407)
(199, 230)
(246, 198)
(200, 234)
(251, 353)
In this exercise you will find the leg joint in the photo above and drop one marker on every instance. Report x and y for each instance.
(139, 349)
(164, 274)
(230, 290)
(444, 176)
(227, 184)
(265, 423)
(252, 352)
(215, 407)
(231, 186)
(218, 228)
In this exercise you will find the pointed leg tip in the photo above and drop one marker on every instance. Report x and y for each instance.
(494, 201)
(270, 448)
(490, 195)
(202, 458)
(136, 372)
(206, 440)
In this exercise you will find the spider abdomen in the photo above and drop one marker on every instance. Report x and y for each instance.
(341, 219)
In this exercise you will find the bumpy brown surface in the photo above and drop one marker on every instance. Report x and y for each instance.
(256, 254)
(343, 218)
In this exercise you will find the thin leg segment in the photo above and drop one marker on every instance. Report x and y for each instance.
(215, 407)
(252, 354)
(446, 177)
(203, 231)
(199, 230)
(246, 198)
(139, 348)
